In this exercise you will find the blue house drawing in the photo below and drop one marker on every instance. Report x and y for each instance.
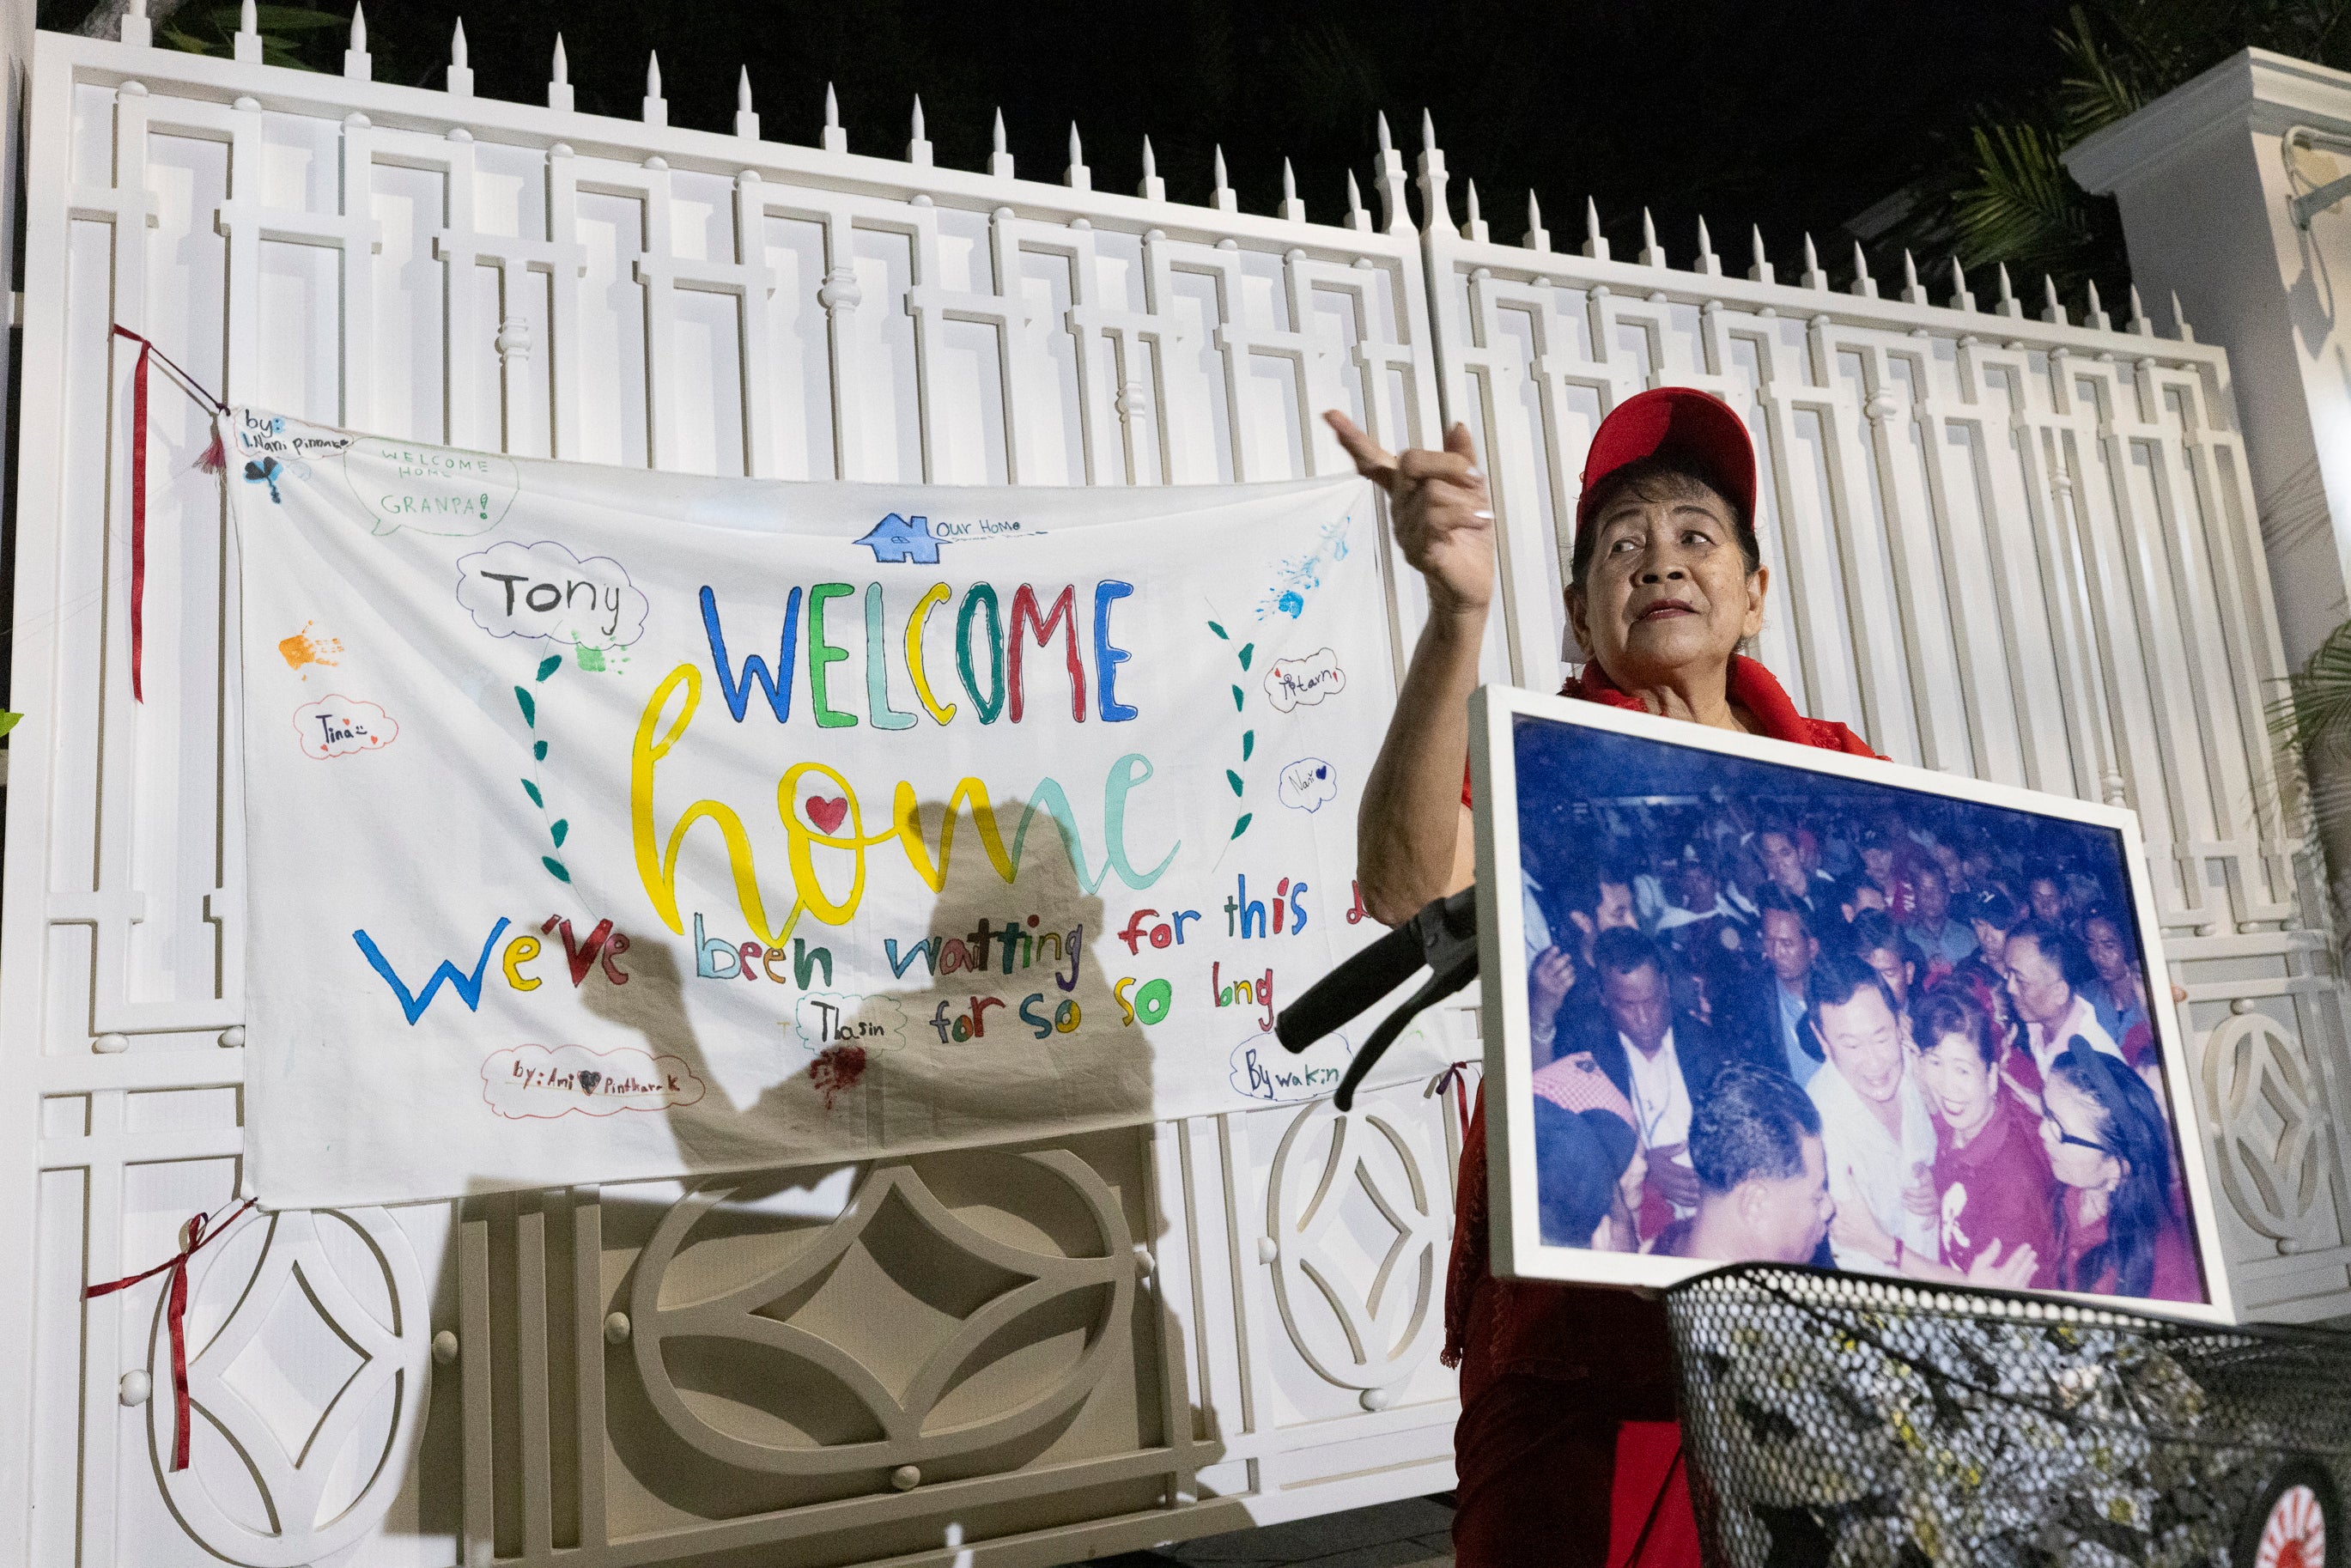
(900, 539)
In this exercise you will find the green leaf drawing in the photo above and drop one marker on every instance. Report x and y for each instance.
(1218, 631)
(1237, 699)
(531, 789)
(560, 831)
(1247, 648)
(1242, 826)
(538, 749)
(549, 664)
(1234, 780)
(1248, 743)
(8, 721)
(555, 866)
(529, 709)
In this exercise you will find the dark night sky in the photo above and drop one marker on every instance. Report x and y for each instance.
(1794, 116)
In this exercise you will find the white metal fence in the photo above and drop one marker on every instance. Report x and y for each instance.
(2007, 546)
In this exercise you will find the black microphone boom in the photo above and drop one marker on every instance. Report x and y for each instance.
(1442, 938)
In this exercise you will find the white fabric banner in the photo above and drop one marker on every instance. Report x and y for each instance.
(605, 825)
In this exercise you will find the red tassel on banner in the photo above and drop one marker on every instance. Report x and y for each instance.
(139, 494)
(175, 1312)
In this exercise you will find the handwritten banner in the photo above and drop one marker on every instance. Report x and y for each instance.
(606, 825)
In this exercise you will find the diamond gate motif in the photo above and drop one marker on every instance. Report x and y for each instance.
(2270, 1141)
(1357, 1248)
(890, 1308)
(307, 1374)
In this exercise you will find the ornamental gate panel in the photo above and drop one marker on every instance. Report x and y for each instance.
(1029, 1355)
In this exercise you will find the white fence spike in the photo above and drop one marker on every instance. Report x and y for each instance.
(1537, 236)
(746, 119)
(2009, 304)
(1961, 299)
(2139, 322)
(461, 72)
(1388, 144)
(1475, 229)
(357, 66)
(1473, 201)
(247, 48)
(918, 144)
(1077, 147)
(2053, 310)
(1223, 197)
(1293, 209)
(1077, 176)
(1708, 262)
(656, 107)
(1814, 277)
(560, 72)
(1153, 188)
(1652, 253)
(1865, 286)
(1357, 218)
(832, 109)
(1428, 132)
(1704, 241)
(999, 145)
(999, 158)
(1595, 243)
(248, 20)
(1762, 270)
(2179, 326)
(2096, 316)
(1535, 212)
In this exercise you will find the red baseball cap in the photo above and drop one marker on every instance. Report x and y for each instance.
(1682, 422)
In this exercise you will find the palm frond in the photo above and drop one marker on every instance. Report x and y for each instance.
(2313, 717)
(2022, 206)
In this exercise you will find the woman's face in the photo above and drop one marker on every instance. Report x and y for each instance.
(1668, 595)
(2066, 1111)
(1960, 1081)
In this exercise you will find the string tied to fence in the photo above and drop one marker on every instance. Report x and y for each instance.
(175, 1313)
(212, 461)
(1456, 1077)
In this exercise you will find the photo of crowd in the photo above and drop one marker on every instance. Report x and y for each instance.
(1779, 1015)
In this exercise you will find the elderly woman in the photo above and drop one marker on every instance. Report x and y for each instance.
(1666, 582)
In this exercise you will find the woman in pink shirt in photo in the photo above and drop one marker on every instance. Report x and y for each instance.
(1992, 1179)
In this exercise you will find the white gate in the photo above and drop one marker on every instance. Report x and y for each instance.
(2008, 547)
(1248, 1323)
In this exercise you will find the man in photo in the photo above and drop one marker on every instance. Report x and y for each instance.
(1701, 915)
(1663, 1061)
(1582, 1160)
(1789, 949)
(1885, 949)
(1587, 904)
(1777, 845)
(1946, 943)
(1874, 1118)
(1762, 1176)
(2047, 970)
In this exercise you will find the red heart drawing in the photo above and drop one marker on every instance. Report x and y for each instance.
(828, 815)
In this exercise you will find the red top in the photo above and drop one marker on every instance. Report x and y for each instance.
(1496, 1326)
(2177, 1276)
(1997, 1188)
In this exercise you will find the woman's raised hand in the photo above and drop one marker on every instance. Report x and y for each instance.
(1437, 502)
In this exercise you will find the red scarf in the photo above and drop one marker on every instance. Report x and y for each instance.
(1752, 687)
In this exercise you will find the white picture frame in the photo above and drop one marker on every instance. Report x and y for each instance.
(1519, 1249)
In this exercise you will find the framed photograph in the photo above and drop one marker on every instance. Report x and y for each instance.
(1748, 1001)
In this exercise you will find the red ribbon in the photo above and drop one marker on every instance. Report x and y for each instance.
(139, 494)
(175, 1312)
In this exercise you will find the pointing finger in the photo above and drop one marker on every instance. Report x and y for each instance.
(1373, 461)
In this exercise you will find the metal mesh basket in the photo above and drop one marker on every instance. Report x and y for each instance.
(1835, 1419)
